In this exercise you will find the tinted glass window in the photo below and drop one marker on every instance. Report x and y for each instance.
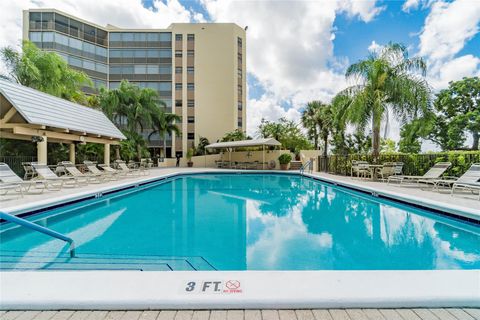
(165, 36)
(115, 36)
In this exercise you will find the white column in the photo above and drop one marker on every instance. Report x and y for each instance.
(106, 153)
(72, 153)
(42, 151)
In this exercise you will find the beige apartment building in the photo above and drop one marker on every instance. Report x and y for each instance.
(198, 69)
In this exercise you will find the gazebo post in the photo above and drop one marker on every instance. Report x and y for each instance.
(106, 154)
(42, 151)
(71, 153)
(263, 157)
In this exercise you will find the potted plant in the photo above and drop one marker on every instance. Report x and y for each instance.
(189, 157)
(284, 160)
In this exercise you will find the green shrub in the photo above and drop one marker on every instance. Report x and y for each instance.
(285, 158)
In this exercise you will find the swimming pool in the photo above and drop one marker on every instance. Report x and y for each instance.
(243, 222)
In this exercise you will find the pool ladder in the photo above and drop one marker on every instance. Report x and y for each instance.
(36, 227)
(308, 165)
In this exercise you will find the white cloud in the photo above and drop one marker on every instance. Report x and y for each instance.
(292, 58)
(374, 47)
(448, 27)
(410, 4)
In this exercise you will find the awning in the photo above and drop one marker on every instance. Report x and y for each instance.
(244, 143)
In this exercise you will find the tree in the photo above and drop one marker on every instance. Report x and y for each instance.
(388, 146)
(286, 132)
(44, 71)
(202, 143)
(387, 81)
(318, 119)
(236, 135)
(459, 112)
(134, 109)
(164, 124)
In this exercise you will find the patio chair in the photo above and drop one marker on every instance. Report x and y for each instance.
(8, 177)
(470, 177)
(5, 187)
(45, 173)
(29, 172)
(83, 177)
(387, 170)
(122, 166)
(119, 173)
(92, 168)
(360, 169)
(398, 168)
(434, 172)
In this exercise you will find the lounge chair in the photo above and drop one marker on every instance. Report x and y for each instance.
(83, 177)
(8, 177)
(45, 173)
(122, 166)
(92, 168)
(107, 168)
(470, 180)
(5, 187)
(434, 172)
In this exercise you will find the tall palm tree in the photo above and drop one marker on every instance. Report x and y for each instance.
(308, 122)
(387, 80)
(163, 125)
(318, 119)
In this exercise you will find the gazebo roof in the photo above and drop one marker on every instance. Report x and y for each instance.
(44, 110)
(244, 143)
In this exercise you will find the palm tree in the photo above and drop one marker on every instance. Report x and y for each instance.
(387, 80)
(308, 122)
(317, 118)
(163, 125)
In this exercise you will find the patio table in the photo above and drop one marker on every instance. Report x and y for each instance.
(373, 170)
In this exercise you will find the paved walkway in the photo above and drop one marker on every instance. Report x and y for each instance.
(317, 314)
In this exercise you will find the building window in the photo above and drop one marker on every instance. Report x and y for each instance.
(190, 136)
(178, 86)
(190, 70)
(191, 103)
(239, 122)
(178, 70)
(178, 37)
(190, 53)
(178, 53)
(190, 37)
(240, 73)
(191, 119)
(240, 106)
(190, 86)
(178, 103)
(239, 42)
(239, 90)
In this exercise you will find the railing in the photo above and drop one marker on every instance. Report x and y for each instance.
(414, 164)
(309, 165)
(36, 227)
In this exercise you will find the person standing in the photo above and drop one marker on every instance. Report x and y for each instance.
(178, 159)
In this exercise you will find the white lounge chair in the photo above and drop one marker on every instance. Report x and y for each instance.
(107, 168)
(92, 168)
(8, 177)
(434, 172)
(45, 173)
(470, 180)
(122, 166)
(87, 177)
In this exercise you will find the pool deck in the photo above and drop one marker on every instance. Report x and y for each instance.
(463, 203)
(303, 314)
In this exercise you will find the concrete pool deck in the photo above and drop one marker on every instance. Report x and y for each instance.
(303, 314)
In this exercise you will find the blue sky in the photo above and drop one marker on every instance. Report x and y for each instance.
(297, 51)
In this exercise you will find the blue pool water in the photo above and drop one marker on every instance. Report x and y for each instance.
(243, 222)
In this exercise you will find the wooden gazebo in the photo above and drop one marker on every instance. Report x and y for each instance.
(28, 114)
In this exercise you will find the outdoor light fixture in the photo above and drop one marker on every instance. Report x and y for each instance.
(37, 139)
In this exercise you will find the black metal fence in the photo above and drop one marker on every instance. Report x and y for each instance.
(15, 162)
(414, 164)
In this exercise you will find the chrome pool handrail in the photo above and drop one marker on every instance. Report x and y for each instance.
(36, 227)
(307, 164)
